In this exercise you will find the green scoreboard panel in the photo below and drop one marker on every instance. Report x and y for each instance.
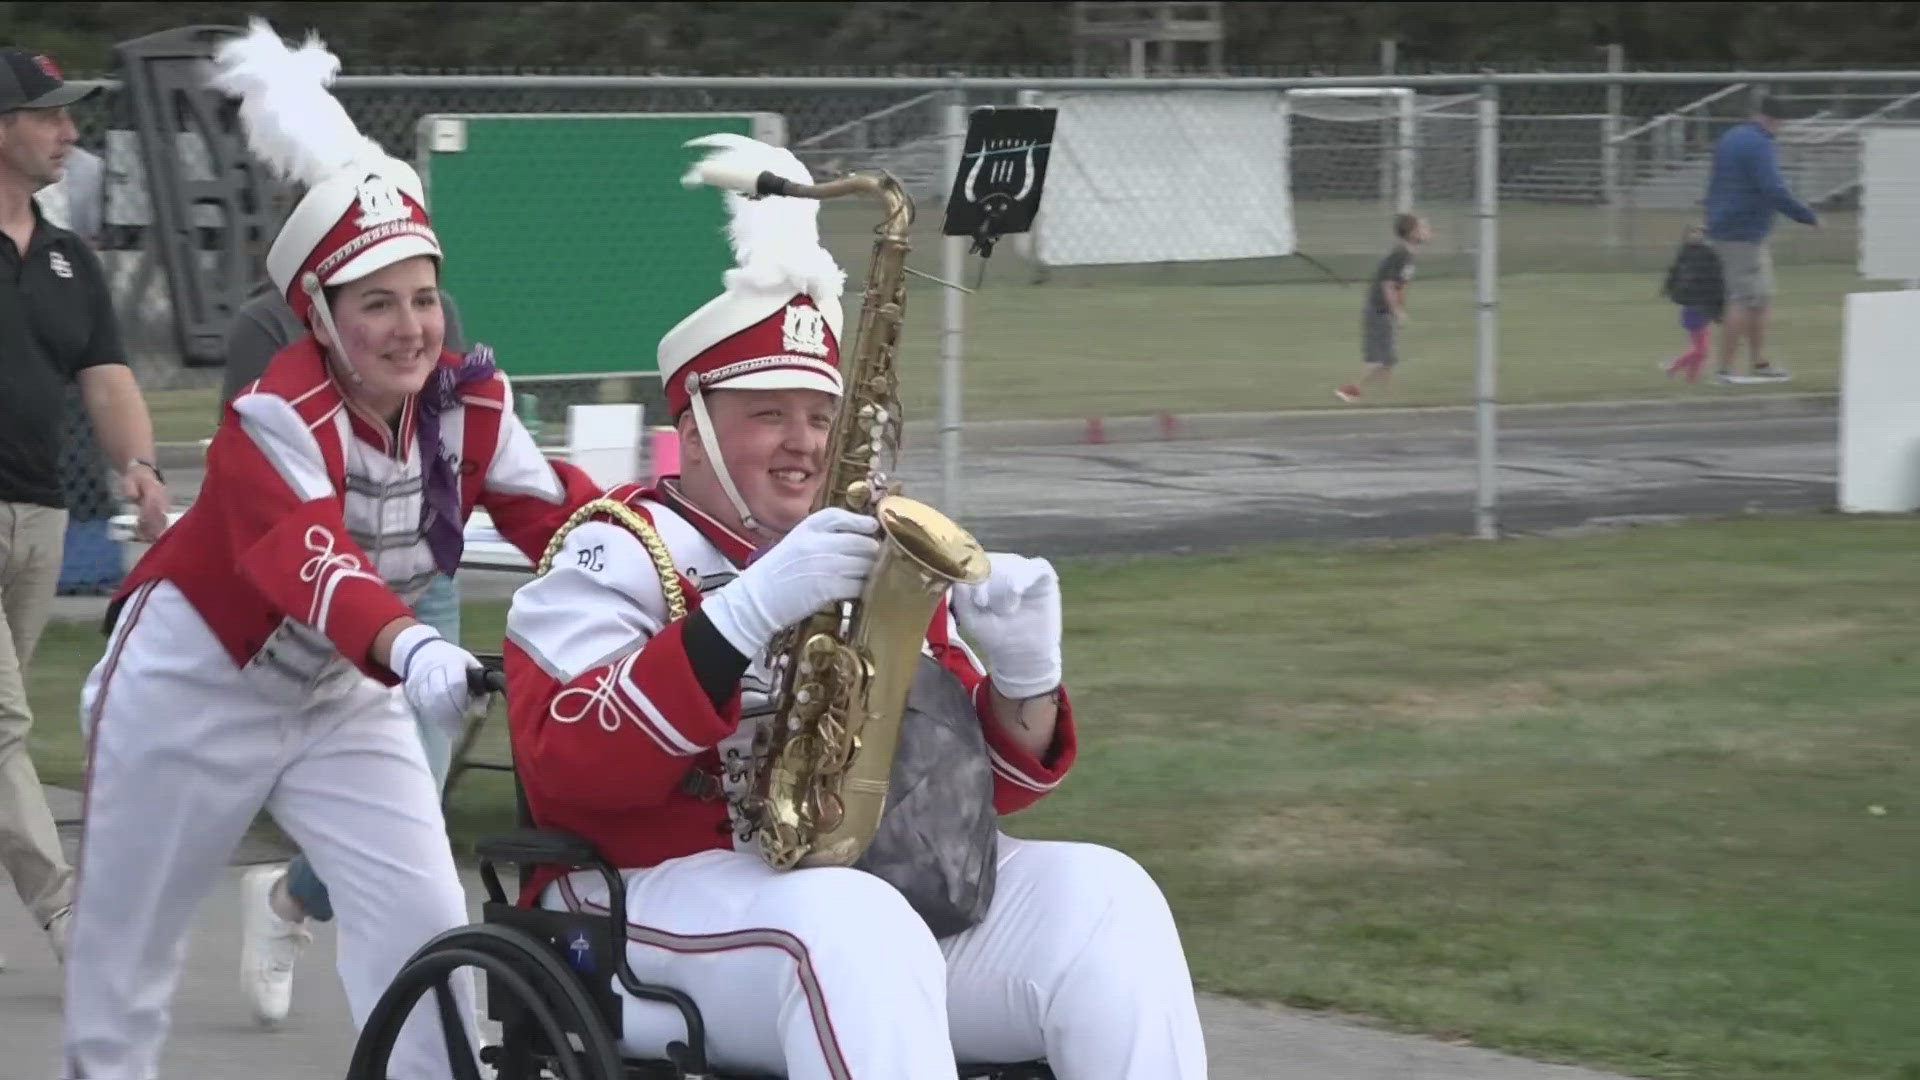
(570, 245)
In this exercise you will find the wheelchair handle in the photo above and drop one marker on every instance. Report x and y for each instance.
(484, 680)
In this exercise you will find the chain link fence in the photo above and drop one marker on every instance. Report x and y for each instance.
(1598, 176)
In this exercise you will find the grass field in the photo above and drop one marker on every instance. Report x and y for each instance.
(1578, 321)
(1642, 800)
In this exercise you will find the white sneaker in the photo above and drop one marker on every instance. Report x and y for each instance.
(57, 930)
(269, 946)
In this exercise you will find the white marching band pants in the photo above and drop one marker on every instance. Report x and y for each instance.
(827, 974)
(184, 750)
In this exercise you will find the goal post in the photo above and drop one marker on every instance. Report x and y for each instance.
(1360, 155)
(1388, 110)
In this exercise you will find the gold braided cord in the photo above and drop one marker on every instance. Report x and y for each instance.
(643, 530)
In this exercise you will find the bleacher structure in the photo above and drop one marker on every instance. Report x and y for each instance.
(1665, 160)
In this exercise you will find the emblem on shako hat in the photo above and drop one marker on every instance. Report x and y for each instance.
(380, 203)
(805, 330)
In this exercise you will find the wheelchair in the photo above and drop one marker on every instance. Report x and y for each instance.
(549, 979)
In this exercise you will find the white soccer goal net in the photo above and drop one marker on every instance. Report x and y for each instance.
(1359, 155)
(1890, 204)
(1200, 175)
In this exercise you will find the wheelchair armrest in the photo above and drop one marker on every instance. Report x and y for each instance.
(547, 847)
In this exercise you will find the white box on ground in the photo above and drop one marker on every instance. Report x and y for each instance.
(605, 440)
(1880, 403)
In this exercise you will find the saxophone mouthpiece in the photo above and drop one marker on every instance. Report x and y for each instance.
(775, 184)
(749, 182)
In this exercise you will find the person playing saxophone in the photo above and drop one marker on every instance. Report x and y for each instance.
(638, 672)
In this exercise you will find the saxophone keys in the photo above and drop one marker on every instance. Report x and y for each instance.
(828, 812)
(859, 495)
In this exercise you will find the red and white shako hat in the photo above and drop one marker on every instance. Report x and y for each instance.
(349, 226)
(777, 324)
(362, 210)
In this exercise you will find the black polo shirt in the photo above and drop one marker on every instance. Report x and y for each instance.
(56, 318)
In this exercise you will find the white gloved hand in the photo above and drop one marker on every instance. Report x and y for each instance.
(1014, 617)
(433, 675)
(827, 557)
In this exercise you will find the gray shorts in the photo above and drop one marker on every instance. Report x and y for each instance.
(1747, 266)
(1379, 338)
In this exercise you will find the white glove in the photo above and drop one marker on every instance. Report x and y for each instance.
(827, 557)
(433, 675)
(1014, 617)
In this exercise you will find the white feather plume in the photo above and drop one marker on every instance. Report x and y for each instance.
(292, 123)
(776, 240)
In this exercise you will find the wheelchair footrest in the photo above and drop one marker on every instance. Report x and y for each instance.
(547, 846)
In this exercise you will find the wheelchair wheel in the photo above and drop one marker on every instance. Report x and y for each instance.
(562, 1034)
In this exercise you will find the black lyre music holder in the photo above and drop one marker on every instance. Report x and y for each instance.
(1003, 170)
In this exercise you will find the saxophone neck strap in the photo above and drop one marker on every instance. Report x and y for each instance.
(642, 529)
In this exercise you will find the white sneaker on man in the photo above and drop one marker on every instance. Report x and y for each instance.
(269, 946)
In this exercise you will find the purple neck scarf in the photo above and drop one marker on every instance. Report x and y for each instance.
(440, 516)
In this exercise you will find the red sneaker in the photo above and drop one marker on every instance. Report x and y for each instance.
(1348, 392)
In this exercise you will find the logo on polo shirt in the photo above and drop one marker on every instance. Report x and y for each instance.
(804, 331)
(61, 267)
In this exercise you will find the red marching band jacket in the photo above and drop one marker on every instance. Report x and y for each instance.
(273, 554)
(615, 740)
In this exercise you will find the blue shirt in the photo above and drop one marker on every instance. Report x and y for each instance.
(1745, 187)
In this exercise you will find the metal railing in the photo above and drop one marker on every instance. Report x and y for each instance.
(1680, 114)
(1853, 126)
(860, 123)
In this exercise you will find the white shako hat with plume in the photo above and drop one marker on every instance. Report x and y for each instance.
(362, 210)
(777, 324)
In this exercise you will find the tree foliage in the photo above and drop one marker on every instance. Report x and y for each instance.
(797, 36)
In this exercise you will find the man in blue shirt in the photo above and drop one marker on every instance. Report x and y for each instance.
(1743, 193)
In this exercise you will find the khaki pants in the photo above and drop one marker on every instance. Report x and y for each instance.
(1747, 268)
(30, 541)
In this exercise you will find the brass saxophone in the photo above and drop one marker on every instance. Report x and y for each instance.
(821, 762)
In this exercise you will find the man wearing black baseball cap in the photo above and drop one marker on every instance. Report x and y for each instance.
(57, 327)
(32, 81)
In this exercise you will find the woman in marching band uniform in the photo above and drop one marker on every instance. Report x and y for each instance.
(263, 653)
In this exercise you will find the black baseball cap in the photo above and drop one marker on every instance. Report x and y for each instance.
(32, 81)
